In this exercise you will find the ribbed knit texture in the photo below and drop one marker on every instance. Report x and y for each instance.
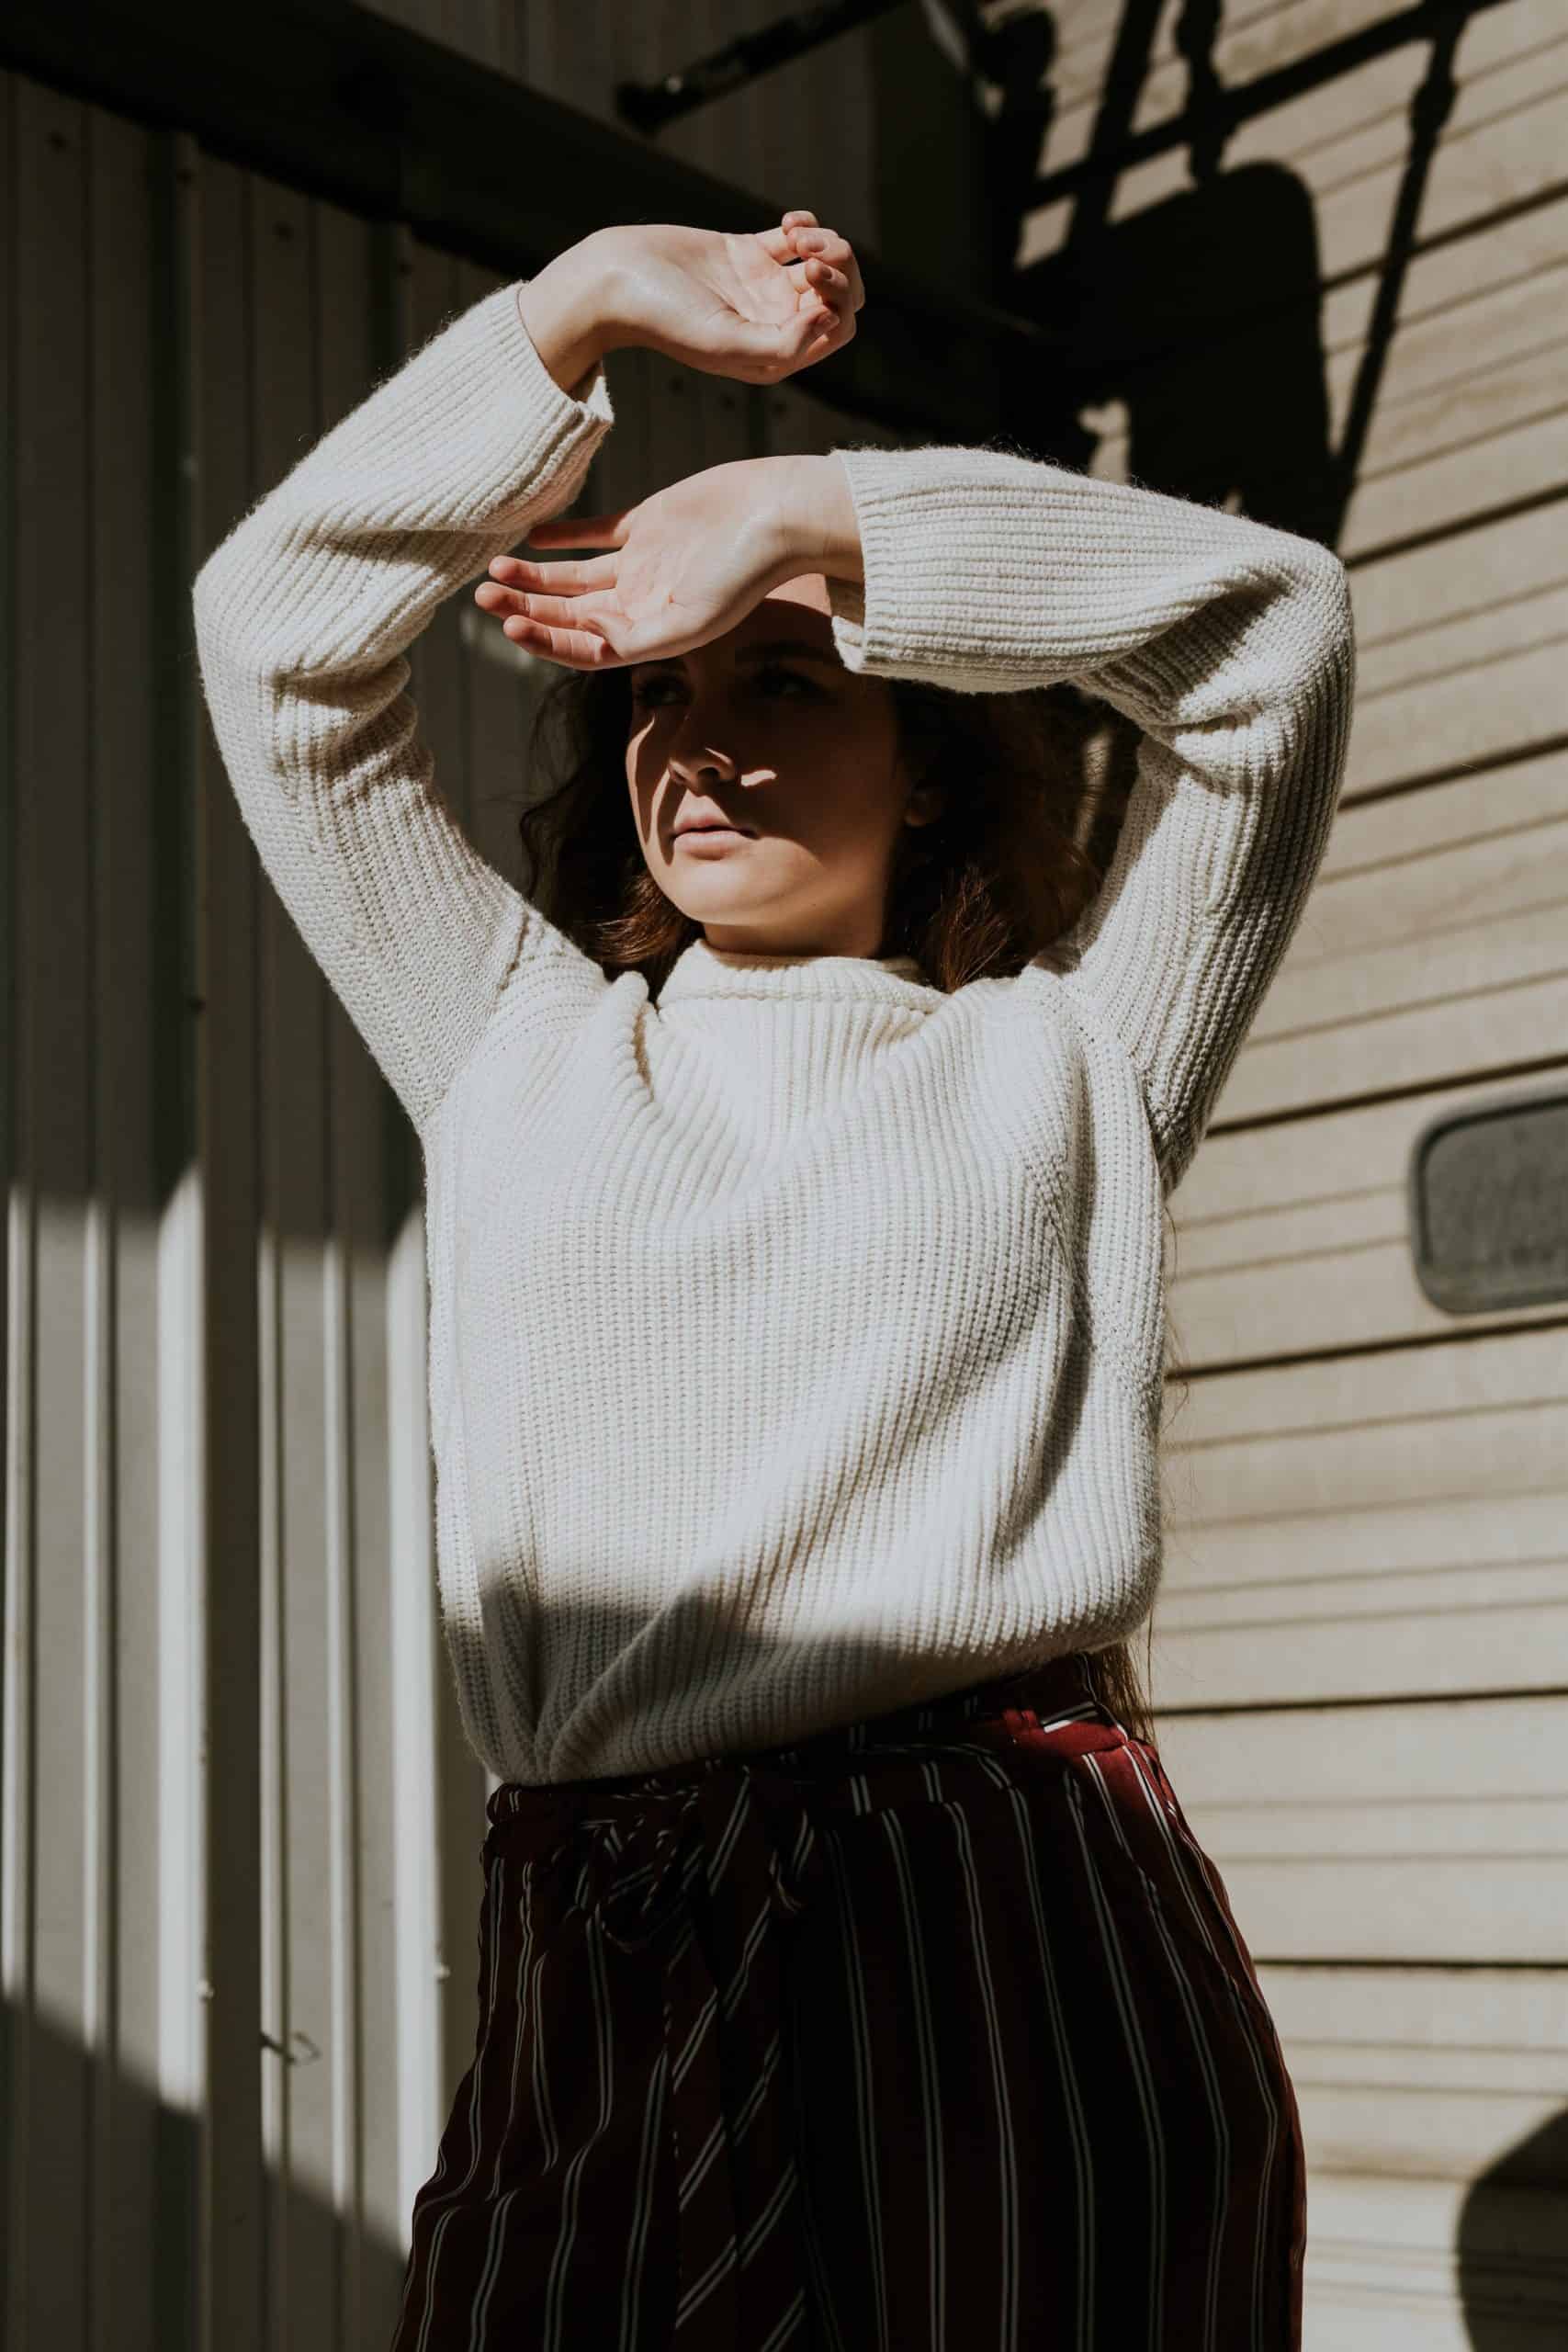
(797, 1341)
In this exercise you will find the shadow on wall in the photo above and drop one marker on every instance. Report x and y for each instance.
(1192, 330)
(118, 2170)
(1513, 2246)
(1196, 321)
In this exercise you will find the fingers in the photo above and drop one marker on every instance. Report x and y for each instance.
(558, 579)
(550, 628)
(551, 612)
(828, 280)
(777, 241)
(565, 628)
(575, 649)
(581, 531)
(823, 248)
(829, 291)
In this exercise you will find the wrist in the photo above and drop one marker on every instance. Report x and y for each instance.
(811, 513)
(568, 309)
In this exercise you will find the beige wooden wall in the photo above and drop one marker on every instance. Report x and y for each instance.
(240, 1828)
(1361, 1651)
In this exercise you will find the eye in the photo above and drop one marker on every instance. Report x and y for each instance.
(646, 690)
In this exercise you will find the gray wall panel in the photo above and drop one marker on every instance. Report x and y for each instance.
(135, 1007)
(240, 1877)
(213, 1341)
(55, 1041)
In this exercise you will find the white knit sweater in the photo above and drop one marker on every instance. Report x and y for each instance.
(796, 1340)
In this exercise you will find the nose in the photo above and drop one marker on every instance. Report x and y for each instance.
(691, 752)
(697, 759)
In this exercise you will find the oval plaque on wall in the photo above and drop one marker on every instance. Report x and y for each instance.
(1489, 1204)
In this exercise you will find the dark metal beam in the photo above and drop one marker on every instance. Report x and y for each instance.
(333, 99)
(648, 106)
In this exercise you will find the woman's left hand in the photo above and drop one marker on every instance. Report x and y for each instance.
(757, 307)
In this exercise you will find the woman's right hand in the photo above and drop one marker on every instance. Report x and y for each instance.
(756, 307)
(682, 567)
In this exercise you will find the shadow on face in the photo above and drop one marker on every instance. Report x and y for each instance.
(795, 761)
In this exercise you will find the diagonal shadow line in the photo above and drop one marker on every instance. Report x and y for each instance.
(1429, 111)
(1105, 158)
(1231, 108)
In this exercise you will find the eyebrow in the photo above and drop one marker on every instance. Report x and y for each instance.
(801, 647)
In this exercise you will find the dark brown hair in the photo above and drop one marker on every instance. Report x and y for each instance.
(1039, 782)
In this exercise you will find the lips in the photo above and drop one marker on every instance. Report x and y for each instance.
(713, 825)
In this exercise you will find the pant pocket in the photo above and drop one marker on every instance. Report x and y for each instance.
(1145, 1834)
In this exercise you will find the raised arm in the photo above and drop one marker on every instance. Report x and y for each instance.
(305, 612)
(1227, 642)
(303, 617)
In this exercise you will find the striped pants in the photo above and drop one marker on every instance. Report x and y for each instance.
(932, 2032)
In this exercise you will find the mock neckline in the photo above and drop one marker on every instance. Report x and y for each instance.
(704, 971)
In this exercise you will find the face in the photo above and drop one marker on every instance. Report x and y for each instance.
(766, 728)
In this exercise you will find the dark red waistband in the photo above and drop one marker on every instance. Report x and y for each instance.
(1061, 1688)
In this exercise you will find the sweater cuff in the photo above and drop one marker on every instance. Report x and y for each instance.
(558, 431)
(587, 402)
(951, 591)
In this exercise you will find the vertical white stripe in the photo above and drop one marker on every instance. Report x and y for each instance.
(1007, 2284)
(1083, 2161)
(549, 2137)
(642, 2217)
(931, 2088)
(861, 2069)
(1139, 2056)
(490, 2269)
(496, 1892)
(1264, 2053)
(1214, 2093)
(826, 2315)
(604, 2042)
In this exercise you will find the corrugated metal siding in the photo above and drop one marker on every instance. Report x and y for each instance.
(238, 1885)
(1361, 1649)
(805, 122)
(874, 131)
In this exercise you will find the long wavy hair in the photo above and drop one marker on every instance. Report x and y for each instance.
(1006, 869)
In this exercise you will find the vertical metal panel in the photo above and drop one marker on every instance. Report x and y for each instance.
(422, 1707)
(15, 1681)
(496, 707)
(212, 1333)
(55, 1572)
(364, 1135)
(431, 294)
(418, 1672)
(134, 1005)
(299, 1797)
(804, 134)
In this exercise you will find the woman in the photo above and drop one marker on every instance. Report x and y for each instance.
(849, 1975)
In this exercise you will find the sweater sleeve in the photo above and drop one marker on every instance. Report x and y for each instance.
(1227, 642)
(303, 617)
